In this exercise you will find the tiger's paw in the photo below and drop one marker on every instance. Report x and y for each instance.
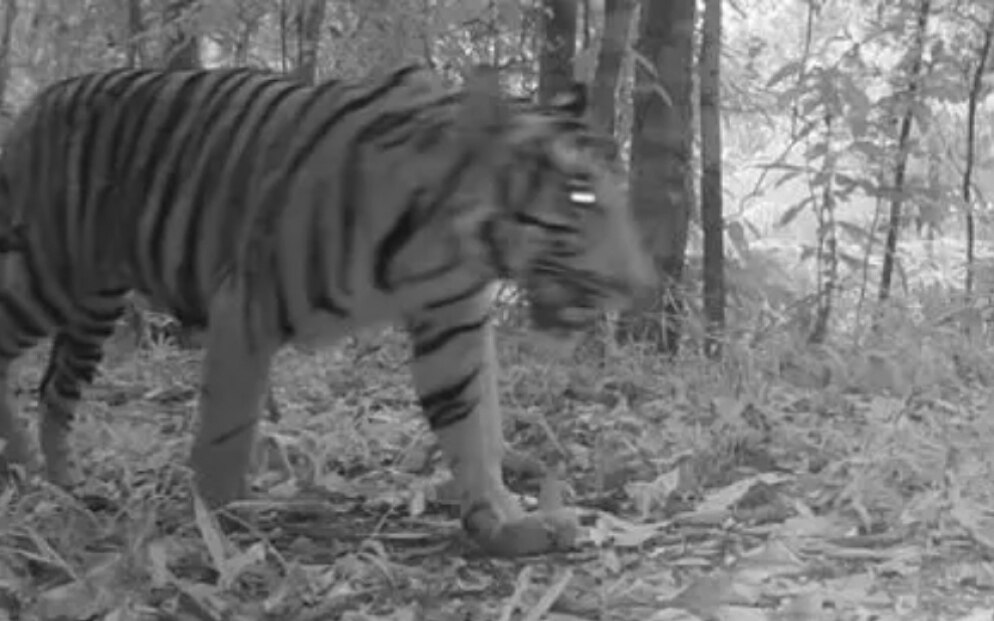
(538, 532)
(218, 486)
(218, 491)
(63, 476)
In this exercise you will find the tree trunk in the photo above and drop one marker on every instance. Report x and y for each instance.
(135, 49)
(9, 15)
(182, 45)
(249, 27)
(310, 17)
(976, 90)
(712, 217)
(585, 25)
(900, 167)
(614, 45)
(558, 47)
(662, 168)
(828, 255)
(611, 54)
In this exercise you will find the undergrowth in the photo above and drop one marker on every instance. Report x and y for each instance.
(785, 481)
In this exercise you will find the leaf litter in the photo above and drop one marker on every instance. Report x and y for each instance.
(781, 502)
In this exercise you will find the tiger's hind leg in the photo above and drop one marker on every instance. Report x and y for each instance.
(73, 362)
(455, 374)
(233, 390)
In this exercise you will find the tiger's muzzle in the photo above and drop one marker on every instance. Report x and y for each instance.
(568, 302)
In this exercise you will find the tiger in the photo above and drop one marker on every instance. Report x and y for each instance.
(276, 213)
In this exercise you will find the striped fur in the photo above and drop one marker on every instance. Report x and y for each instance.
(271, 212)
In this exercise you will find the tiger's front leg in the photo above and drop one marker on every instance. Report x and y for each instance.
(455, 374)
(233, 390)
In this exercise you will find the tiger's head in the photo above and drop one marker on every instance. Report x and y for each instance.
(554, 217)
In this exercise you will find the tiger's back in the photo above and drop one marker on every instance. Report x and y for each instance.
(140, 167)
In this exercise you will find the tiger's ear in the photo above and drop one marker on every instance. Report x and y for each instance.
(572, 101)
(484, 112)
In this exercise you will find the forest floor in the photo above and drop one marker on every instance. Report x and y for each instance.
(784, 483)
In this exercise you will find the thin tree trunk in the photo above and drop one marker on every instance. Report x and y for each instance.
(135, 48)
(558, 47)
(662, 167)
(603, 111)
(496, 51)
(614, 45)
(900, 168)
(182, 47)
(711, 198)
(976, 88)
(249, 28)
(586, 25)
(555, 74)
(427, 35)
(864, 283)
(310, 17)
(284, 53)
(828, 257)
(180, 51)
(9, 16)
